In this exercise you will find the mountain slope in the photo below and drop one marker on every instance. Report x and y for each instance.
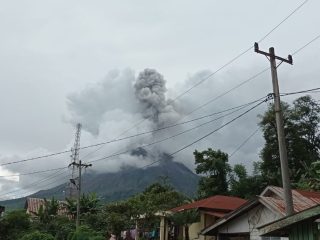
(125, 183)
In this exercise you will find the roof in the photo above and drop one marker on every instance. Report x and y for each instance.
(271, 197)
(33, 205)
(245, 207)
(284, 223)
(217, 202)
(302, 200)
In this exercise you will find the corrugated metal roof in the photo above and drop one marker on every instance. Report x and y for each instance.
(302, 200)
(218, 202)
(33, 205)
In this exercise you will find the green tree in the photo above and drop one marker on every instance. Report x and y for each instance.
(37, 236)
(244, 185)
(14, 225)
(89, 204)
(85, 233)
(311, 178)
(301, 123)
(185, 219)
(48, 210)
(214, 168)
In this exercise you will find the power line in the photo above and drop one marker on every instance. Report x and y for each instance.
(244, 142)
(36, 183)
(306, 45)
(128, 137)
(243, 105)
(285, 19)
(31, 173)
(181, 149)
(227, 63)
(210, 133)
(155, 130)
(243, 52)
(201, 106)
(299, 92)
(167, 138)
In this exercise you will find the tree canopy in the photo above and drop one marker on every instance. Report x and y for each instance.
(301, 124)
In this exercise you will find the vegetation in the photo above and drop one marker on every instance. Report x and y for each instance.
(301, 123)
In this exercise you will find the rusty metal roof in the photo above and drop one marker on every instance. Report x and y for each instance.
(33, 205)
(302, 200)
(218, 202)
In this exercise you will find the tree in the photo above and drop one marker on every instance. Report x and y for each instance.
(243, 185)
(89, 204)
(185, 219)
(86, 233)
(48, 210)
(37, 236)
(301, 123)
(311, 178)
(214, 168)
(14, 225)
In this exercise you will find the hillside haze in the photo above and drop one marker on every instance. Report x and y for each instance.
(125, 183)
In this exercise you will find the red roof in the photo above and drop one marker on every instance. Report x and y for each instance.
(217, 202)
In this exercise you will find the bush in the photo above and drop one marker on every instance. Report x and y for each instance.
(86, 233)
(37, 236)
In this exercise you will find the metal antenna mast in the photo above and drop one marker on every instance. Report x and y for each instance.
(75, 160)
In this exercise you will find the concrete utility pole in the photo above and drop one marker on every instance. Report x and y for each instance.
(79, 165)
(280, 129)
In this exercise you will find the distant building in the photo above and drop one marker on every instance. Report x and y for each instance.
(33, 205)
(245, 222)
(2, 209)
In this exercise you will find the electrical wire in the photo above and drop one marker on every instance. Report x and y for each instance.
(299, 92)
(128, 137)
(183, 148)
(244, 142)
(167, 138)
(306, 45)
(36, 183)
(226, 64)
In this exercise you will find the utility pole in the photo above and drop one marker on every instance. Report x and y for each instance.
(74, 159)
(280, 128)
(79, 165)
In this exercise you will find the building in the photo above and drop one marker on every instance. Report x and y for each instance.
(304, 225)
(33, 205)
(2, 209)
(244, 223)
(210, 210)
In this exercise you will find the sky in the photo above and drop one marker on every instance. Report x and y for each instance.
(64, 62)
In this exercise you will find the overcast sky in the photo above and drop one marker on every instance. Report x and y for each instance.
(62, 61)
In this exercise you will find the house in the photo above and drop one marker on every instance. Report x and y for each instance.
(244, 223)
(210, 210)
(300, 226)
(2, 209)
(33, 205)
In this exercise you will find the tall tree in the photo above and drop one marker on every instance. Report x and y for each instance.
(214, 168)
(301, 123)
(244, 185)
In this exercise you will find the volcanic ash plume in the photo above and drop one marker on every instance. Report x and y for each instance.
(150, 89)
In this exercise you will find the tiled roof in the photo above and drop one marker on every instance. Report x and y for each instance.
(33, 206)
(218, 202)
